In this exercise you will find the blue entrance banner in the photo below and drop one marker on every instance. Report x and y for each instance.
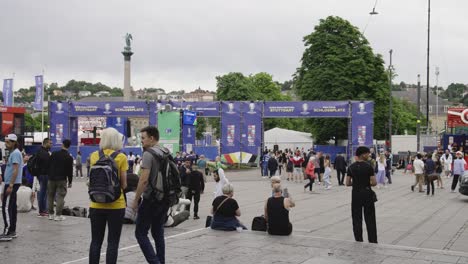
(109, 108)
(74, 130)
(251, 138)
(205, 109)
(8, 92)
(230, 127)
(362, 123)
(117, 122)
(188, 137)
(59, 123)
(39, 99)
(306, 109)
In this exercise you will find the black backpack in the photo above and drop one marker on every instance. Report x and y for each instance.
(33, 165)
(104, 182)
(166, 187)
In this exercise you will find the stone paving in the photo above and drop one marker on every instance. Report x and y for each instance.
(412, 228)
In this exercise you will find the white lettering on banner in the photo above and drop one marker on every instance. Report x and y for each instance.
(7, 122)
(281, 109)
(3, 109)
(85, 108)
(129, 108)
(206, 108)
(329, 109)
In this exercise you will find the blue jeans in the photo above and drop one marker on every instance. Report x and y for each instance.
(264, 169)
(42, 195)
(151, 214)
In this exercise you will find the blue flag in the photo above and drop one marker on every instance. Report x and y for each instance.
(38, 101)
(8, 92)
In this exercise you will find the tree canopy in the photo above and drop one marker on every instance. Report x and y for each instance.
(339, 64)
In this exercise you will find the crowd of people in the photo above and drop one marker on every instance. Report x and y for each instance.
(135, 202)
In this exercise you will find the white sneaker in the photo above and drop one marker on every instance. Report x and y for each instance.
(59, 218)
(51, 217)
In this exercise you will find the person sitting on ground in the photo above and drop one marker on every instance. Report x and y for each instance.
(177, 214)
(221, 180)
(277, 213)
(225, 211)
(24, 197)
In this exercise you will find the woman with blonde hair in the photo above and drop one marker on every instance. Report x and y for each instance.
(381, 171)
(110, 214)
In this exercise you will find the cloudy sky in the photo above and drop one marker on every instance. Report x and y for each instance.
(185, 44)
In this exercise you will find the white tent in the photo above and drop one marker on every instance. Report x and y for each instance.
(285, 138)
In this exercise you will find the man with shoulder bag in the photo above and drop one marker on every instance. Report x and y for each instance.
(361, 176)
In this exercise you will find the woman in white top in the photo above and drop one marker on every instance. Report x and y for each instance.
(381, 170)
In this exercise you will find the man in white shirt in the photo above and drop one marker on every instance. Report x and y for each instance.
(221, 180)
(446, 161)
(418, 166)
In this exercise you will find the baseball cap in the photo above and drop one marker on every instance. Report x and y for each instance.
(11, 137)
(459, 153)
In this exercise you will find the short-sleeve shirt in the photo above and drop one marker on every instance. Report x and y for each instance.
(152, 164)
(15, 158)
(122, 165)
(227, 209)
(360, 172)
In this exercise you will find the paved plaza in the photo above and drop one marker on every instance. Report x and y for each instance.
(412, 228)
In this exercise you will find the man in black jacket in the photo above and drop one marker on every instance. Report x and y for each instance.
(43, 157)
(185, 169)
(60, 169)
(196, 186)
(340, 167)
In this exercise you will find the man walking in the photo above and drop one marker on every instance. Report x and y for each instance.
(340, 167)
(196, 186)
(185, 169)
(43, 156)
(361, 176)
(78, 165)
(13, 177)
(151, 212)
(61, 169)
(418, 166)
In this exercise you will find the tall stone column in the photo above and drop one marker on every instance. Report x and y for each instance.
(127, 91)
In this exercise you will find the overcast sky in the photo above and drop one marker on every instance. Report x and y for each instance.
(185, 44)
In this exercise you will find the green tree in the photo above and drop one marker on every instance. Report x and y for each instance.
(201, 127)
(339, 64)
(454, 92)
(234, 86)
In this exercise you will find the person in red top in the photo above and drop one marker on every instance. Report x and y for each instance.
(297, 160)
(310, 173)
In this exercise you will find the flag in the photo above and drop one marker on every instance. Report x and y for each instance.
(8, 92)
(38, 101)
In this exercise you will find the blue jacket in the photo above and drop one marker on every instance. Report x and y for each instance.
(458, 167)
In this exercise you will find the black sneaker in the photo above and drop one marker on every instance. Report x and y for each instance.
(412, 188)
(5, 238)
(196, 217)
(12, 235)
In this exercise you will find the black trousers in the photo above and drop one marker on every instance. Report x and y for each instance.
(340, 178)
(362, 200)
(196, 199)
(310, 184)
(429, 184)
(113, 218)
(10, 214)
(455, 181)
(272, 173)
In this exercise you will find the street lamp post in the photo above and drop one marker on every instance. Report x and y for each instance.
(428, 52)
(418, 121)
(390, 104)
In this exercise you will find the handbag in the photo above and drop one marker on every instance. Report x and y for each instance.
(259, 223)
(209, 218)
(409, 167)
(432, 177)
(373, 195)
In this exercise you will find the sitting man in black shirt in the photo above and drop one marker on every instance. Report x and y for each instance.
(361, 176)
(277, 213)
